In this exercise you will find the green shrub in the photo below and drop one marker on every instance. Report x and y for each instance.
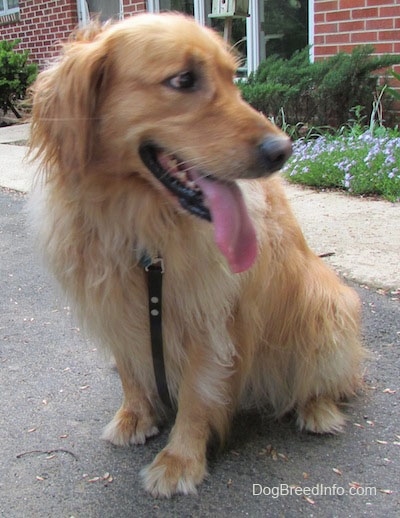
(392, 91)
(16, 74)
(320, 93)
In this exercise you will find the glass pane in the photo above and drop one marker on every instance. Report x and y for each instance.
(238, 38)
(184, 6)
(1, 5)
(285, 26)
(105, 8)
(11, 4)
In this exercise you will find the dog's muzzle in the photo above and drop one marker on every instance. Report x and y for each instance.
(218, 201)
(185, 182)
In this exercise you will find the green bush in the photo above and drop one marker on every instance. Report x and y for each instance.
(320, 93)
(392, 91)
(16, 74)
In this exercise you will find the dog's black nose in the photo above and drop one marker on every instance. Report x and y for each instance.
(273, 153)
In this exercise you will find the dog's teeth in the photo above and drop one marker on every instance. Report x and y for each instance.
(172, 163)
(181, 176)
(192, 185)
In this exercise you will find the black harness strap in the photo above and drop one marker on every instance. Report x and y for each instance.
(155, 271)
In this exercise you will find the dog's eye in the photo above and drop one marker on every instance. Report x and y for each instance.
(183, 81)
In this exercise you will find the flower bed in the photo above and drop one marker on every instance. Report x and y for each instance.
(360, 164)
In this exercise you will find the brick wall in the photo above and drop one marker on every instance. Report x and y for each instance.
(340, 25)
(134, 7)
(43, 25)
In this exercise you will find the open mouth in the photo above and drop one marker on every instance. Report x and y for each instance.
(211, 199)
(177, 177)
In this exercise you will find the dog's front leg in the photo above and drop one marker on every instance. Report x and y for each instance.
(204, 405)
(135, 420)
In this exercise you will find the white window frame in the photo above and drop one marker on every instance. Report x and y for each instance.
(153, 6)
(6, 10)
(83, 13)
(254, 37)
(311, 28)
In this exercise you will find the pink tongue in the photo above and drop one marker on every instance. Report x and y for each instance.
(233, 230)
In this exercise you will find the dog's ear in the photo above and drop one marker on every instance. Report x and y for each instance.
(64, 99)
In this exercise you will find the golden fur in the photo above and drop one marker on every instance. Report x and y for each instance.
(285, 332)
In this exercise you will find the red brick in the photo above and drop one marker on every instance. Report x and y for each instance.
(352, 26)
(326, 28)
(349, 4)
(326, 50)
(392, 11)
(336, 16)
(346, 48)
(388, 35)
(391, 81)
(337, 39)
(379, 23)
(364, 13)
(322, 6)
(386, 48)
(374, 3)
(364, 37)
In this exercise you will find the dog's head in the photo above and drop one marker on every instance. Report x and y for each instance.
(154, 97)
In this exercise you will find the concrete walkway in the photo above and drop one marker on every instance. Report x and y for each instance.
(362, 234)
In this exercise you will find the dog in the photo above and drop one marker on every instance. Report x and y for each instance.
(148, 151)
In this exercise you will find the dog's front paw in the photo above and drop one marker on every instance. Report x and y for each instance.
(127, 428)
(171, 473)
(321, 416)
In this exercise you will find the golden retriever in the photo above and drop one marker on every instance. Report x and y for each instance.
(147, 149)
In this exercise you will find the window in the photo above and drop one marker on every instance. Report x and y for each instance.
(9, 6)
(274, 26)
(184, 6)
(105, 9)
(200, 9)
(285, 24)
